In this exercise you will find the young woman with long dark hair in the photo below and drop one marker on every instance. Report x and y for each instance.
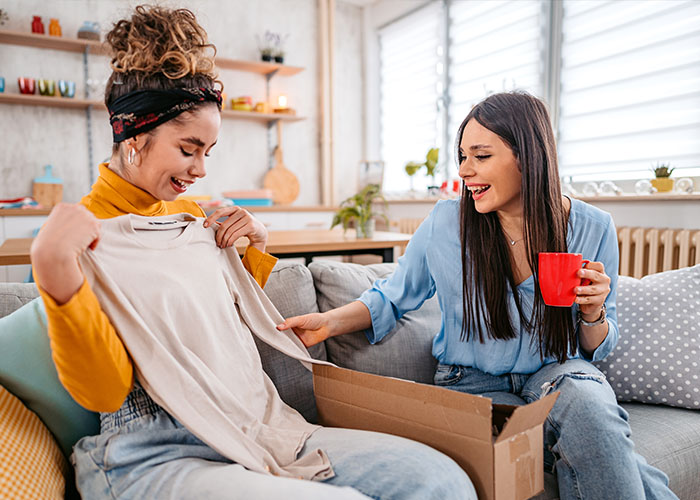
(497, 338)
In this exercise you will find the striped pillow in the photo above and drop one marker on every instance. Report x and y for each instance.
(31, 464)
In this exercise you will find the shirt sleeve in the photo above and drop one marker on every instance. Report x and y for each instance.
(404, 290)
(258, 264)
(608, 254)
(90, 358)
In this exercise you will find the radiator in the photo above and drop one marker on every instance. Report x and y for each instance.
(651, 250)
(407, 225)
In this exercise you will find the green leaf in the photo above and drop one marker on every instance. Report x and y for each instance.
(412, 167)
(432, 156)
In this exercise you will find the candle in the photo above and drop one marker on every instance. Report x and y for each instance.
(282, 101)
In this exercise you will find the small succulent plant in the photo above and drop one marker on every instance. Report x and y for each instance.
(272, 43)
(662, 170)
(3, 17)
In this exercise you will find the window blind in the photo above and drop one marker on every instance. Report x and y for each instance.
(494, 46)
(411, 84)
(630, 88)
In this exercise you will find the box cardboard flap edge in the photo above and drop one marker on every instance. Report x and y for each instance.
(525, 417)
(372, 392)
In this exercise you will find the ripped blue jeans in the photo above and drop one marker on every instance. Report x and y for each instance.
(586, 435)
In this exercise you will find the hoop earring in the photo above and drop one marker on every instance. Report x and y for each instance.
(131, 156)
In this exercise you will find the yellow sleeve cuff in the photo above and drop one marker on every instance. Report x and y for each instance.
(258, 264)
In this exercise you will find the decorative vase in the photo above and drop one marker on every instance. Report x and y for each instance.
(90, 30)
(55, 28)
(37, 25)
(266, 57)
(365, 230)
(662, 184)
(279, 59)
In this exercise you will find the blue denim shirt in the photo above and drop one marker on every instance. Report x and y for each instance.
(432, 264)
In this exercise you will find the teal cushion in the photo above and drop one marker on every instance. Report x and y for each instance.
(28, 372)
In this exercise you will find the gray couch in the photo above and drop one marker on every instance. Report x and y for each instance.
(669, 438)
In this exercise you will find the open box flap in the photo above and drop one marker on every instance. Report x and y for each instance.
(429, 405)
(527, 416)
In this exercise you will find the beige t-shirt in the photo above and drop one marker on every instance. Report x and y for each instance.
(185, 310)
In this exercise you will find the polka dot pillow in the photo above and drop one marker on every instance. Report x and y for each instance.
(657, 358)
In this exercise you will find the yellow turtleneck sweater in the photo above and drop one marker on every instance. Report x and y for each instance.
(90, 358)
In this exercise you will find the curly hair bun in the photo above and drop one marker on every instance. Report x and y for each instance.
(160, 40)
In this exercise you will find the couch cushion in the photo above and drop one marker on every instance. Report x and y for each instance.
(28, 372)
(669, 438)
(15, 295)
(404, 353)
(657, 358)
(32, 463)
(291, 289)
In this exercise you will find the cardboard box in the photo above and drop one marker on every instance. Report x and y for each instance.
(499, 446)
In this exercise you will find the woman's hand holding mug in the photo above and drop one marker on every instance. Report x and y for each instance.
(566, 278)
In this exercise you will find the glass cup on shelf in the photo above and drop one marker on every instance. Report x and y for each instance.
(644, 187)
(609, 188)
(590, 189)
(684, 185)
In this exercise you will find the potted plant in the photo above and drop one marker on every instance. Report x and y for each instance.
(662, 181)
(266, 45)
(359, 209)
(278, 52)
(430, 164)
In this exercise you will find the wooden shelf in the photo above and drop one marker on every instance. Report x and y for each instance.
(636, 197)
(53, 101)
(261, 67)
(261, 117)
(98, 48)
(51, 42)
(73, 103)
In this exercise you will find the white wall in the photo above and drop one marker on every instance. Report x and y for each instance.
(348, 115)
(34, 136)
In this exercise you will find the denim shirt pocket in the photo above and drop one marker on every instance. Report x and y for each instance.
(447, 375)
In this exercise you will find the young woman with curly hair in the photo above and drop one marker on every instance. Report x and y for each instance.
(210, 424)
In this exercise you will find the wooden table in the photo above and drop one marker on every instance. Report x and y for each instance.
(306, 243)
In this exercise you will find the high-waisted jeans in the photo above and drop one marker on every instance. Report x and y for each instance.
(586, 435)
(144, 453)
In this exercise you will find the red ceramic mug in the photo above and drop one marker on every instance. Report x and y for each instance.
(558, 277)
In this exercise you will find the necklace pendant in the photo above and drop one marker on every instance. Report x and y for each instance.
(512, 243)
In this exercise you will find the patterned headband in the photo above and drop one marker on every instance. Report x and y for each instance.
(143, 110)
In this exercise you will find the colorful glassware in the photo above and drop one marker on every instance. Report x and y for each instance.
(55, 28)
(47, 87)
(37, 25)
(66, 88)
(26, 85)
